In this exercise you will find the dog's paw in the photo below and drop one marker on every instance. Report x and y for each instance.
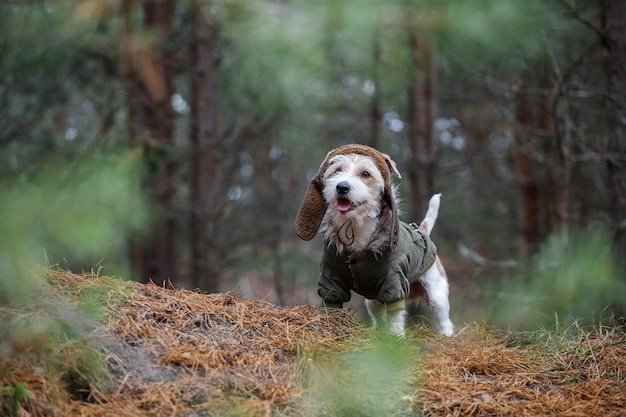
(446, 329)
(398, 332)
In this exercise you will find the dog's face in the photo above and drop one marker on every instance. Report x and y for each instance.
(357, 193)
(353, 187)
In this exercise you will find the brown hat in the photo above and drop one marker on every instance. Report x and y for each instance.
(314, 205)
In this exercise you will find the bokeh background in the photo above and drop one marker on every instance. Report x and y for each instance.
(171, 140)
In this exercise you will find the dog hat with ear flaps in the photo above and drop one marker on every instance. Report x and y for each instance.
(313, 205)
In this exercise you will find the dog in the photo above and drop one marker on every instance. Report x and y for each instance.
(353, 203)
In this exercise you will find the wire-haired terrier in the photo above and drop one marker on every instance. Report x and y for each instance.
(366, 248)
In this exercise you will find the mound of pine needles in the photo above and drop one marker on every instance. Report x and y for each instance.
(101, 346)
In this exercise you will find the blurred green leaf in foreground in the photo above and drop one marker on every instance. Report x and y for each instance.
(85, 210)
(363, 382)
(573, 278)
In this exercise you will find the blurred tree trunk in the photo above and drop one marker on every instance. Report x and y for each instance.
(556, 124)
(421, 107)
(204, 109)
(151, 121)
(544, 193)
(614, 41)
(551, 187)
(278, 179)
(375, 113)
(529, 192)
(129, 8)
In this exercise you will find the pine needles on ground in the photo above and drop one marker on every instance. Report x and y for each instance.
(154, 351)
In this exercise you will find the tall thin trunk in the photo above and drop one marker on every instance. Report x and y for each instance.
(375, 113)
(203, 150)
(551, 186)
(128, 70)
(614, 42)
(555, 124)
(562, 162)
(527, 184)
(280, 197)
(150, 122)
(422, 102)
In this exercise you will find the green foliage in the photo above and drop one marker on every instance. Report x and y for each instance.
(13, 397)
(58, 94)
(370, 381)
(500, 34)
(84, 210)
(79, 211)
(572, 278)
(79, 365)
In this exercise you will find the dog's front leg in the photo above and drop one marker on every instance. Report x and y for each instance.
(389, 317)
(396, 316)
(376, 311)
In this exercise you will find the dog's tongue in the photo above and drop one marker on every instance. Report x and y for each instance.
(343, 205)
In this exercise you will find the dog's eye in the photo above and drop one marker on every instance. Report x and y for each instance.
(337, 171)
(365, 174)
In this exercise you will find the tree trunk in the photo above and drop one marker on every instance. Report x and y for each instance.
(422, 101)
(614, 42)
(551, 194)
(555, 123)
(150, 123)
(528, 187)
(375, 113)
(203, 150)
(129, 8)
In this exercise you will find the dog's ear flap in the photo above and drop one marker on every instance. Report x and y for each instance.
(391, 202)
(313, 206)
(395, 222)
(392, 165)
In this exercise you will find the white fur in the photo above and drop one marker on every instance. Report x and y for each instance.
(353, 230)
(431, 215)
(366, 227)
(436, 286)
(387, 320)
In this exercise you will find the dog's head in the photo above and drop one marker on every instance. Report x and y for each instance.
(353, 181)
(353, 187)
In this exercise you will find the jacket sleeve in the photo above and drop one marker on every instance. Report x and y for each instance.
(395, 285)
(333, 290)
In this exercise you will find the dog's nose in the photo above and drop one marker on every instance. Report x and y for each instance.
(343, 188)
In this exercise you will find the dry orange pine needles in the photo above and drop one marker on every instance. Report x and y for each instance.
(150, 351)
(481, 373)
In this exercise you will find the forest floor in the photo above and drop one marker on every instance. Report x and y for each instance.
(101, 346)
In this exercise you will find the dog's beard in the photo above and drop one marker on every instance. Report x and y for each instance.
(345, 233)
(364, 227)
(356, 229)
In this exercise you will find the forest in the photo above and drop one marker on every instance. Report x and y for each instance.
(154, 154)
(171, 140)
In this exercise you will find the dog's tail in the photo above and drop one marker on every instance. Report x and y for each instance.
(431, 215)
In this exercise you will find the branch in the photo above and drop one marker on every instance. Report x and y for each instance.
(482, 261)
(573, 12)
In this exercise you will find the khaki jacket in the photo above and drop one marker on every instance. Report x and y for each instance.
(385, 277)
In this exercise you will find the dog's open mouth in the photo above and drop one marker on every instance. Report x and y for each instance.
(344, 205)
